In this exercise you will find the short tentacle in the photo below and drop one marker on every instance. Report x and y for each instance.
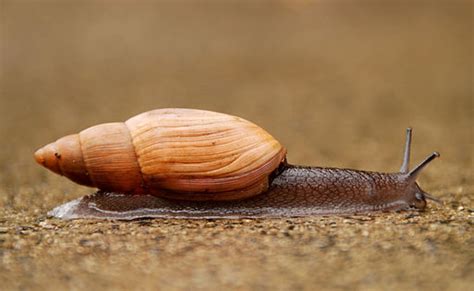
(432, 198)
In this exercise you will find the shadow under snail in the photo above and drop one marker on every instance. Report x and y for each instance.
(188, 163)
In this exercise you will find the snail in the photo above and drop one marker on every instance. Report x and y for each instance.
(189, 163)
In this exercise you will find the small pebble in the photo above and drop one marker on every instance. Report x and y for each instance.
(46, 225)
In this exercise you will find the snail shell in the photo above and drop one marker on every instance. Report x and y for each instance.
(184, 154)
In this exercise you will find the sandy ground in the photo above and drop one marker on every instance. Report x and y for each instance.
(336, 83)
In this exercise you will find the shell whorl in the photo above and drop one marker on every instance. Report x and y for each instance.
(100, 156)
(64, 157)
(110, 158)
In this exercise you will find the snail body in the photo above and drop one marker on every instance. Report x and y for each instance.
(201, 164)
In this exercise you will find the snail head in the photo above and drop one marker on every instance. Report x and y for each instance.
(416, 196)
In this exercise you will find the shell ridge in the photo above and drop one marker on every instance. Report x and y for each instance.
(142, 184)
(211, 155)
(203, 146)
(88, 173)
(185, 123)
(173, 143)
(231, 132)
(158, 127)
(166, 132)
(197, 133)
(251, 177)
(230, 154)
(243, 157)
(191, 172)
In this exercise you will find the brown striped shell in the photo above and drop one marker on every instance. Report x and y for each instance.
(176, 153)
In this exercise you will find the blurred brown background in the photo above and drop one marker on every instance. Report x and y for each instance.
(336, 81)
(315, 71)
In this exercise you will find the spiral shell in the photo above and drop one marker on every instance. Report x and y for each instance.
(175, 153)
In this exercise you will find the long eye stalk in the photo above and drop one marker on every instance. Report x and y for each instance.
(417, 170)
(406, 155)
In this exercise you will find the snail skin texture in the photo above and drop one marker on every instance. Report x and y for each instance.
(188, 163)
